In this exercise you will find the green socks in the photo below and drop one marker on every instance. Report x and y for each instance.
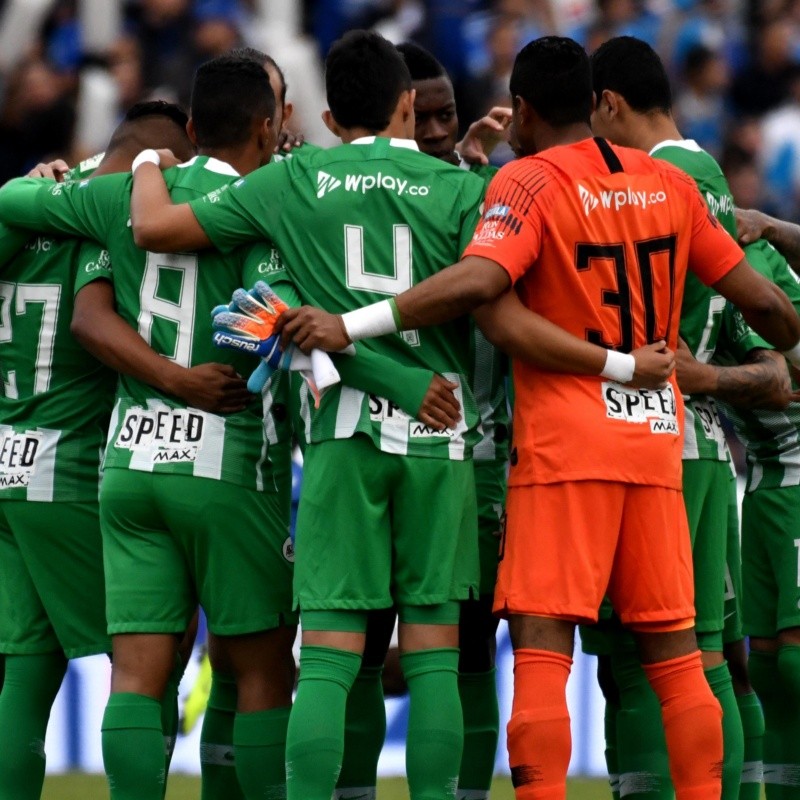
(30, 687)
(364, 734)
(763, 669)
(719, 679)
(789, 672)
(478, 693)
(641, 744)
(259, 740)
(170, 714)
(435, 723)
(315, 738)
(217, 766)
(133, 747)
(753, 730)
(611, 753)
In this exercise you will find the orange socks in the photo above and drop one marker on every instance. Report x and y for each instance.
(539, 741)
(693, 726)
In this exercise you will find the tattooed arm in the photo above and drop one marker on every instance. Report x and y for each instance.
(762, 381)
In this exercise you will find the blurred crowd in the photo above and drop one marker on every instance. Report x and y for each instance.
(69, 68)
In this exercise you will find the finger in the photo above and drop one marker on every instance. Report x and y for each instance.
(431, 421)
(492, 124)
(448, 403)
(225, 369)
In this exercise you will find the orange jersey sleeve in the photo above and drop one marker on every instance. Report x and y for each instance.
(712, 251)
(511, 229)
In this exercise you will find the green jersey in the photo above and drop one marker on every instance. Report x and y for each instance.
(771, 438)
(379, 217)
(489, 373)
(56, 398)
(702, 310)
(167, 298)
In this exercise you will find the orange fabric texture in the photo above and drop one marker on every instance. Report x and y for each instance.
(692, 724)
(539, 740)
(568, 544)
(603, 255)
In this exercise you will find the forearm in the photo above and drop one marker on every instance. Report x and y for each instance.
(451, 293)
(785, 238)
(20, 206)
(763, 382)
(114, 343)
(378, 375)
(778, 322)
(157, 224)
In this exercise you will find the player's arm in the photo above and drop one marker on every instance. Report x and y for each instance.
(783, 236)
(761, 381)
(245, 211)
(526, 336)
(82, 209)
(109, 338)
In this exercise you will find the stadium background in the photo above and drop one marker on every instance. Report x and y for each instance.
(69, 69)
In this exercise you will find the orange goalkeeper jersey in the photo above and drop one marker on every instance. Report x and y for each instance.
(597, 239)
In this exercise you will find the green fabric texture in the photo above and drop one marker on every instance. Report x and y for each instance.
(789, 672)
(364, 733)
(133, 747)
(763, 668)
(642, 747)
(435, 723)
(30, 687)
(170, 713)
(478, 694)
(315, 739)
(719, 679)
(259, 740)
(217, 759)
(611, 751)
(753, 730)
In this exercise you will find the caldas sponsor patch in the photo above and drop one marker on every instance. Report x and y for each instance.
(654, 407)
(170, 435)
(18, 453)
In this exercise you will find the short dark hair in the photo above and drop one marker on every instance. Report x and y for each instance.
(364, 78)
(422, 65)
(261, 58)
(553, 76)
(129, 134)
(631, 68)
(157, 108)
(227, 95)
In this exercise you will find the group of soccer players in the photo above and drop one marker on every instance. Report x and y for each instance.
(398, 259)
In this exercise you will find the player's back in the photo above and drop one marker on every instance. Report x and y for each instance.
(168, 298)
(609, 266)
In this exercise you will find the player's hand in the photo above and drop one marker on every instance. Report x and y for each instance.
(693, 377)
(167, 159)
(654, 365)
(217, 388)
(440, 408)
(484, 135)
(310, 327)
(751, 225)
(288, 140)
(54, 170)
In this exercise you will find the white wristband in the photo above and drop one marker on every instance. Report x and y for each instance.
(375, 320)
(146, 157)
(793, 355)
(619, 366)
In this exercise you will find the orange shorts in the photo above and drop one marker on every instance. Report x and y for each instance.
(568, 544)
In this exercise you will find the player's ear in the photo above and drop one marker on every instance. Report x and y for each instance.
(331, 124)
(267, 136)
(288, 110)
(610, 103)
(191, 133)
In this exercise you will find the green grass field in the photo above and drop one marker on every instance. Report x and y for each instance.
(182, 787)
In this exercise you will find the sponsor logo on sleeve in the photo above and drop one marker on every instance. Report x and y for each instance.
(103, 263)
(170, 435)
(271, 264)
(18, 458)
(654, 407)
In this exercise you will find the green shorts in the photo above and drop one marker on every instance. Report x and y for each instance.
(376, 529)
(490, 491)
(173, 542)
(771, 561)
(733, 572)
(51, 579)
(706, 492)
(607, 635)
